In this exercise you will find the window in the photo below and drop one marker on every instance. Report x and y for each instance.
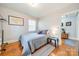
(32, 25)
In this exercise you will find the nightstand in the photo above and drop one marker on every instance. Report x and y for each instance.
(64, 36)
(55, 39)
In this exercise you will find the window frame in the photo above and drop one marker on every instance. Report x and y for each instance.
(32, 25)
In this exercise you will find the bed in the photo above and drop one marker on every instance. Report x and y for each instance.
(32, 41)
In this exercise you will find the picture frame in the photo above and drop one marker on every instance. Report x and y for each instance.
(62, 24)
(68, 23)
(13, 20)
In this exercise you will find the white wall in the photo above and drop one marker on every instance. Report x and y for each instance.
(13, 32)
(71, 30)
(50, 22)
(77, 27)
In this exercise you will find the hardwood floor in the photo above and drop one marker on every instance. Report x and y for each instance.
(12, 49)
(64, 50)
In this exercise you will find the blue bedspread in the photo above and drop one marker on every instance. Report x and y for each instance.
(33, 39)
(32, 36)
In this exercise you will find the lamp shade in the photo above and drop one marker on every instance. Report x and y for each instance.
(53, 32)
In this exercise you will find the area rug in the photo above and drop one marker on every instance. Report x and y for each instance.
(45, 51)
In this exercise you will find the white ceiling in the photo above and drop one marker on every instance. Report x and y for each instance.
(42, 9)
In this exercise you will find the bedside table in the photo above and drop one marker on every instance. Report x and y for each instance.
(56, 40)
(64, 35)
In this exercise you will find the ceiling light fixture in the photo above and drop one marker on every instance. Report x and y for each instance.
(33, 4)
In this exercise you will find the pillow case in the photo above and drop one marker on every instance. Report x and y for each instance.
(43, 32)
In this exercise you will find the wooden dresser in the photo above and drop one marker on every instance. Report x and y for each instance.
(64, 36)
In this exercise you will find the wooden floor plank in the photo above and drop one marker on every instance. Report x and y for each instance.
(12, 49)
(64, 50)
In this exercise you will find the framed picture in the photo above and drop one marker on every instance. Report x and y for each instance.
(68, 23)
(13, 20)
(62, 24)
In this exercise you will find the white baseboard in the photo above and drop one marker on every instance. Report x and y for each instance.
(10, 41)
(74, 38)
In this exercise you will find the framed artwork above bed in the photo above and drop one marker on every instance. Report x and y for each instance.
(13, 20)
